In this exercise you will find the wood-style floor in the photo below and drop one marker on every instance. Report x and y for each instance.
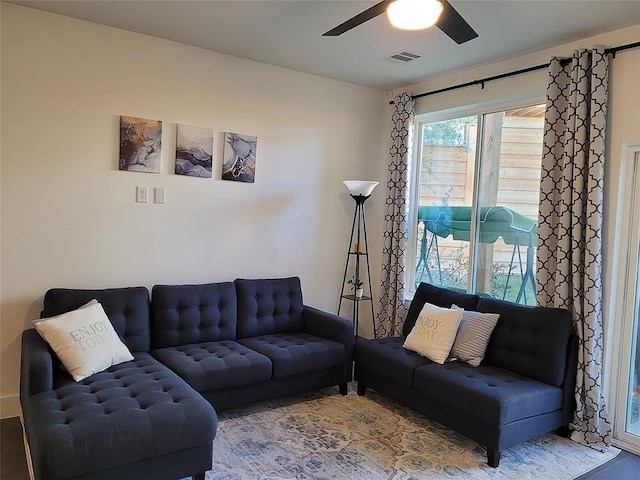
(13, 463)
(626, 466)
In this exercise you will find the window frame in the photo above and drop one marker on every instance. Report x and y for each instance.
(478, 110)
(624, 283)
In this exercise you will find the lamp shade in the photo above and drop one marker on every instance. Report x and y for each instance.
(414, 14)
(360, 187)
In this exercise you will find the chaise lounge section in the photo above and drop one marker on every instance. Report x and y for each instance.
(137, 419)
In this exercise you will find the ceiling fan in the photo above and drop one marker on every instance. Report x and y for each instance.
(445, 17)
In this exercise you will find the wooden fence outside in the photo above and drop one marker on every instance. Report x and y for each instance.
(448, 179)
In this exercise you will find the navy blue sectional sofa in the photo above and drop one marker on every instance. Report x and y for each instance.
(195, 348)
(523, 388)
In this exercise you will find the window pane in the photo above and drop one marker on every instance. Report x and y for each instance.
(485, 244)
(447, 170)
(508, 197)
(633, 392)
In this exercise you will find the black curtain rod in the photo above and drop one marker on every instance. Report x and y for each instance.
(482, 81)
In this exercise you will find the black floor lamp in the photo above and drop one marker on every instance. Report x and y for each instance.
(358, 248)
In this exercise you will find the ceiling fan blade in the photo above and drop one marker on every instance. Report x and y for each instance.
(452, 23)
(353, 22)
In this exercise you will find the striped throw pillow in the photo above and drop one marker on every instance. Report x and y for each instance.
(473, 336)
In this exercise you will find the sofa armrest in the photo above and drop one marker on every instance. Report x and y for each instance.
(36, 365)
(327, 325)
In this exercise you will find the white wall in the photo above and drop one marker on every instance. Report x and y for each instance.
(624, 128)
(69, 217)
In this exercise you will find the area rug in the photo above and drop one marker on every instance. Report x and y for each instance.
(327, 436)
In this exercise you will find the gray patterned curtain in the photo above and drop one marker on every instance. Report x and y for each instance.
(570, 223)
(391, 311)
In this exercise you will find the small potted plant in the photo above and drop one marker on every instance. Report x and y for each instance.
(356, 286)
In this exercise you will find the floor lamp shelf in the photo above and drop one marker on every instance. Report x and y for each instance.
(357, 271)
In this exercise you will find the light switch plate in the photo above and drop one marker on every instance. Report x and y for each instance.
(142, 194)
(159, 195)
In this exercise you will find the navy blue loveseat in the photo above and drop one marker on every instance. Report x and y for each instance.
(523, 388)
(195, 348)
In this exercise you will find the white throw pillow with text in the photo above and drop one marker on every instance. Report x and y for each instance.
(434, 332)
(84, 340)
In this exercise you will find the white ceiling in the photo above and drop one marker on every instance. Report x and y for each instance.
(289, 33)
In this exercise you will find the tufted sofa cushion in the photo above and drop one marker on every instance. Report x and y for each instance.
(441, 297)
(493, 395)
(114, 418)
(186, 314)
(387, 357)
(296, 353)
(269, 306)
(216, 365)
(127, 309)
(531, 341)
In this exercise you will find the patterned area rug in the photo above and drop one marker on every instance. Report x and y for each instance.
(327, 436)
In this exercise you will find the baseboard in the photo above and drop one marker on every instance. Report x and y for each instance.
(629, 447)
(9, 406)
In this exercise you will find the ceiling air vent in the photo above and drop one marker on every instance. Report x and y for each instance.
(404, 57)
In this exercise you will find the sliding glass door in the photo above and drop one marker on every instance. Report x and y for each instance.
(627, 310)
(475, 197)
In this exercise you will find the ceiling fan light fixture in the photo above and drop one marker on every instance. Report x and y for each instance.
(414, 14)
